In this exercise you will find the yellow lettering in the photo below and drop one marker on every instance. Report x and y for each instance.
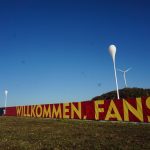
(24, 112)
(116, 114)
(19, 110)
(65, 110)
(28, 114)
(76, 110)
(33, 110)
(137, 112)
(57, 112)
(148, 106)
(38, 111)
(97, 109)
(47, 112)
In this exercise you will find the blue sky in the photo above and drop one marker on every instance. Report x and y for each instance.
(57, 51)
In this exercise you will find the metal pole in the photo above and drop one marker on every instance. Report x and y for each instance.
(6, 92)
(116, 79)
(125, 79)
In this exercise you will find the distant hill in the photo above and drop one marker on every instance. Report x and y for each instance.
(124, 93)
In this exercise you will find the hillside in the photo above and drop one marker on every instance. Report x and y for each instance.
(125, 93)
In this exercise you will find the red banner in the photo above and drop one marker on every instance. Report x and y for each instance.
(134, 110)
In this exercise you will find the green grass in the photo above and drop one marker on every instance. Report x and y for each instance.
(41, 134)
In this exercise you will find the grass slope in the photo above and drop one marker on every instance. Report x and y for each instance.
(41, 134)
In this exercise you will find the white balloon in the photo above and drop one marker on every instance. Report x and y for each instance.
(112, 51)
(6, 92)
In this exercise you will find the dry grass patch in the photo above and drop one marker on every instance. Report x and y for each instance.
(41, 134)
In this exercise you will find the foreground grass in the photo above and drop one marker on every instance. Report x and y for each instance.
(41, 134)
